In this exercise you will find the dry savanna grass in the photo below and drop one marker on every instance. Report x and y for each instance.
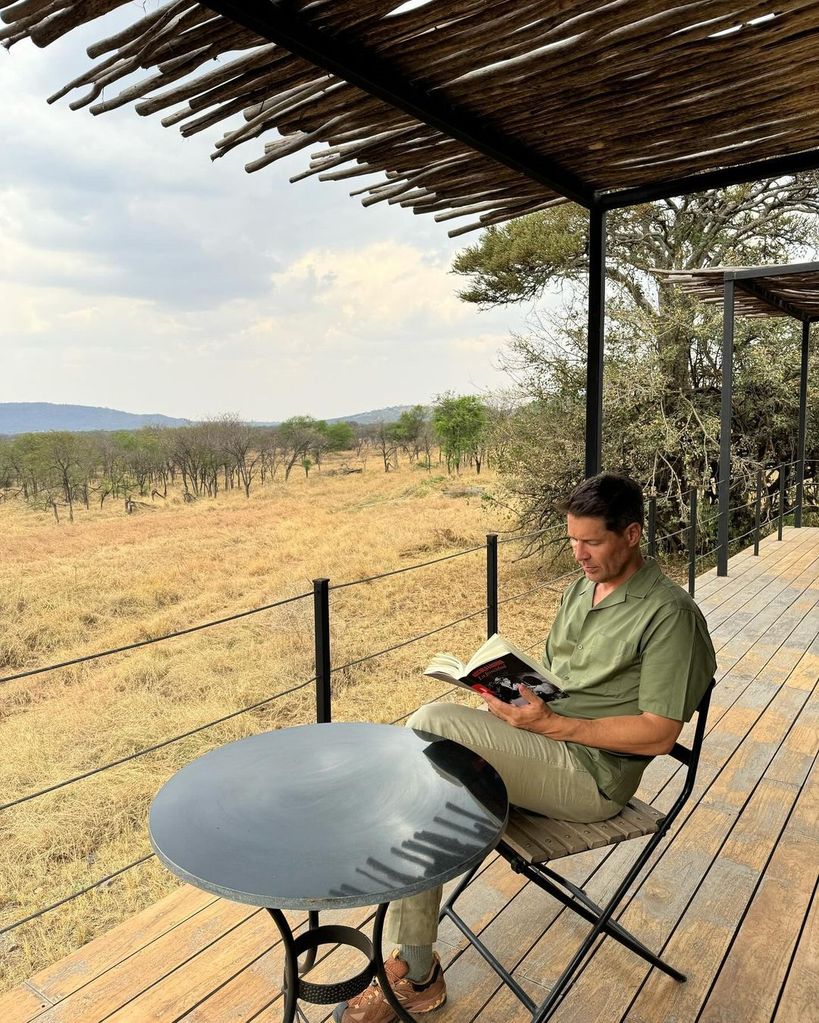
(110, 579)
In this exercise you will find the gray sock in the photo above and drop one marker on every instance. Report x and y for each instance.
(419, 960)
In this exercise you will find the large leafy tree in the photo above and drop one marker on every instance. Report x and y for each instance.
(460, 422)
(663, 363)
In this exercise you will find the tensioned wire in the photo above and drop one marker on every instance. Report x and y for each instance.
(303, 596)
(156, 746)
(74, 895)
(155, 639)
(228, 618)
(408, 568)
(269, 699)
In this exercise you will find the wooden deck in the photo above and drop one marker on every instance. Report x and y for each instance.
(731, 898)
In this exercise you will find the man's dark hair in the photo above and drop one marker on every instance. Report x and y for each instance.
(611, 496)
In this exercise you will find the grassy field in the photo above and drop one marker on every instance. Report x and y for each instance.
(110, 579)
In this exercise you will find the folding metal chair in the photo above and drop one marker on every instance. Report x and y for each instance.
(531, 841)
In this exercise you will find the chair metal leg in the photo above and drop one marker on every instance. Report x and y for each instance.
(581, 904)
(459, 888)
(495, 963)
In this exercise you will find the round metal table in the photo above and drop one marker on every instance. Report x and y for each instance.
(329, 816)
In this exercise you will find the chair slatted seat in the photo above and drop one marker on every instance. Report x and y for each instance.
(538, 839)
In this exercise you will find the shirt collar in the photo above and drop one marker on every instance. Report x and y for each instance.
(638, 585)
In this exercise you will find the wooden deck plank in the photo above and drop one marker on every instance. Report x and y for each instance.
(711, 589)
(760, 614)
(799, 996)
(127, 939)
(200, 974)
(765, 628)
(255, 993)
(22, 1003)
(773, 923)
(699, 943)
(757, 586)
(107, 992)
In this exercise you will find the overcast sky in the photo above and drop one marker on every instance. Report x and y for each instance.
(137, 274)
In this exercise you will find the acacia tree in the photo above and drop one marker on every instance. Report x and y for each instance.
(240, 447)
(408, 431)
(298, 435)
(460, 422)
(662, 377)
(385, 442)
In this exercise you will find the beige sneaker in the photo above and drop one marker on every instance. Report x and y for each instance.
(372, 1007)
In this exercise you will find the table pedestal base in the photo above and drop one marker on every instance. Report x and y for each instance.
(295, 987)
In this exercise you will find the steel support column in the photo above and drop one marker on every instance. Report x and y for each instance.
(803, 422)
(594, 364)
(725, 426)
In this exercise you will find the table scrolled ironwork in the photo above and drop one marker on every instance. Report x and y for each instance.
(328, 816)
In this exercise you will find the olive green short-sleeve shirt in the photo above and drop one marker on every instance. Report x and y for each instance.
(644, 648)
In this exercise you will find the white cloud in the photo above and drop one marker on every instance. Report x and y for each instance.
(135, 273)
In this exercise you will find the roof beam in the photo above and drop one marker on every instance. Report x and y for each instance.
(724, 177)
(277, 21)
(753, 287)
(783, 270)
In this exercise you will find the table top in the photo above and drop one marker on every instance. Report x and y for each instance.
(326, 816)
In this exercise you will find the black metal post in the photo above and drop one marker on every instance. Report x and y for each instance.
(692, 541)
(321, 615)
(652, 525)
(725, 426)
(594, 361)
(781, 501)
(803, 420)
(758, 512)
(491, 584)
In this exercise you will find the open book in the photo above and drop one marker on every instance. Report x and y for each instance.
(498, 667)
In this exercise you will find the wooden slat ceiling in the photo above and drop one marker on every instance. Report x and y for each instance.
(522, 102)
(787, 291)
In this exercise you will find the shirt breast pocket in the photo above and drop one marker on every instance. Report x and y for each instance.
(602, 660)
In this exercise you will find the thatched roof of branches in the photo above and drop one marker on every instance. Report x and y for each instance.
(758, 291)
(485, 109)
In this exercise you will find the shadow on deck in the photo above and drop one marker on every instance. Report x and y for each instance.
(730, 899)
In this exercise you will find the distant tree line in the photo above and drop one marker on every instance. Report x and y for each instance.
(59, 470)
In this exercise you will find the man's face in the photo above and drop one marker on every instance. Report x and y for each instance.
(605, 557)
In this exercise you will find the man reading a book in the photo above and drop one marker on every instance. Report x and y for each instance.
(633, 652)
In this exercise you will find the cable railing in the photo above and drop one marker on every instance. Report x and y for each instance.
(694, 531)
(153, 639)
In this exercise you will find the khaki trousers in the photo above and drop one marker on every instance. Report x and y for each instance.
(540, 774)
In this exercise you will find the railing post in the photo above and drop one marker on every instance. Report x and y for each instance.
(692, 542)
(758, 513)
(781, 500)
(321, 617)
(800, 492)
(491, 584)
(724, 481)
(652, 525)
(801, 428)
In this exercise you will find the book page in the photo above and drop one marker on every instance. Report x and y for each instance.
(446, 666)
(497, 647)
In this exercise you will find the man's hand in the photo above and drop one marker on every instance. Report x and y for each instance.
(645, 734)
(534, 716)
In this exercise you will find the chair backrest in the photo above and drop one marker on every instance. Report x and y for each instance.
(689, 756)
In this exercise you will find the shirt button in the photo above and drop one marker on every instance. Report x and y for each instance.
(579, 646)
